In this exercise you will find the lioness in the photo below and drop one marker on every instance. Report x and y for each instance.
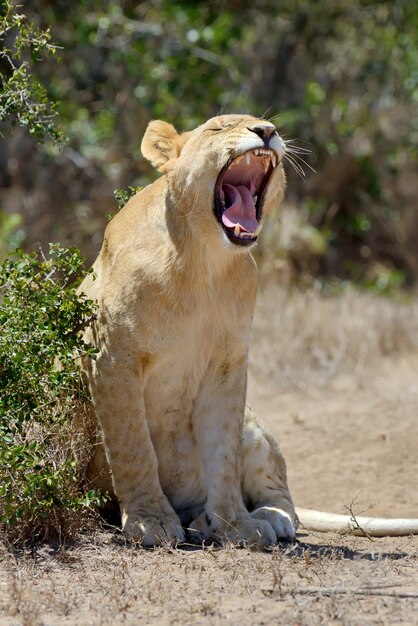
(176, 284)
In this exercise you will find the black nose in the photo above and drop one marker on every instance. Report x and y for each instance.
(265, 132)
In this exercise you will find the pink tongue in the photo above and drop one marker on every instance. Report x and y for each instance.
(242, 209)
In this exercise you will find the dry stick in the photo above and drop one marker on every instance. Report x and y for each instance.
(330, 591)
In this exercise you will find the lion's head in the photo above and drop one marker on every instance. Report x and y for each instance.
(224, 176)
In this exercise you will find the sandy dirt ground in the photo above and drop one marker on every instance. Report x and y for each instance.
(350, 443)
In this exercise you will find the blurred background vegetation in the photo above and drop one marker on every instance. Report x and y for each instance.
(341, 78)
(79, 83)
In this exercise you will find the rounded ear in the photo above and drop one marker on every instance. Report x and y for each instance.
(162, 144)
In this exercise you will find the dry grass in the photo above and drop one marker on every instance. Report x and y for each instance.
(304, 338)
(309, 583)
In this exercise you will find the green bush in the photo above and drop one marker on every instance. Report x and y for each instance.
(23, 99)
(44, 411)
(122, 196)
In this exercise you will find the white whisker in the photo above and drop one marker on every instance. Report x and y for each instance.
(263, 117)
(273, 117)
(298, 158)
(295, 165)
(293, 152)
(297, 150)
(294, 147)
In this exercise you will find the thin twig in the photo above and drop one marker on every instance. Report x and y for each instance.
(81, 326)
(356, 525)
(330, 591)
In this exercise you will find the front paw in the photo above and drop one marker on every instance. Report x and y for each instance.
(241, 531)
(279, 519)
(152, 530)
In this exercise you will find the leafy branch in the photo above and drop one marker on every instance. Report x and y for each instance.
(23, 99)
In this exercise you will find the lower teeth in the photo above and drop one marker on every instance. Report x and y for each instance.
(244, 235)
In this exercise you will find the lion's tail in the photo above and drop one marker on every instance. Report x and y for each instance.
(351, 524)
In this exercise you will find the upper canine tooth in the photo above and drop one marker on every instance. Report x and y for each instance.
(247, 158)
(273, 159)
(237, 230)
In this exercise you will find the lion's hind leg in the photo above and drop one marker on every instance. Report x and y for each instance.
(264, 479)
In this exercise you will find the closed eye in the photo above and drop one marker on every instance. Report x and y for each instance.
(223, 127)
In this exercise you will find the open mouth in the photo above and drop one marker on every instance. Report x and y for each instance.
(239, 194)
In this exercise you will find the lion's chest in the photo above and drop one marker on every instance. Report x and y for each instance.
(186, 360)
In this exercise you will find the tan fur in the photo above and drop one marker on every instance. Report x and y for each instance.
(176, 299)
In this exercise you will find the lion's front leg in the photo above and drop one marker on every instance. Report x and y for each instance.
(264, 479)
(147, 516)
(218, 427)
